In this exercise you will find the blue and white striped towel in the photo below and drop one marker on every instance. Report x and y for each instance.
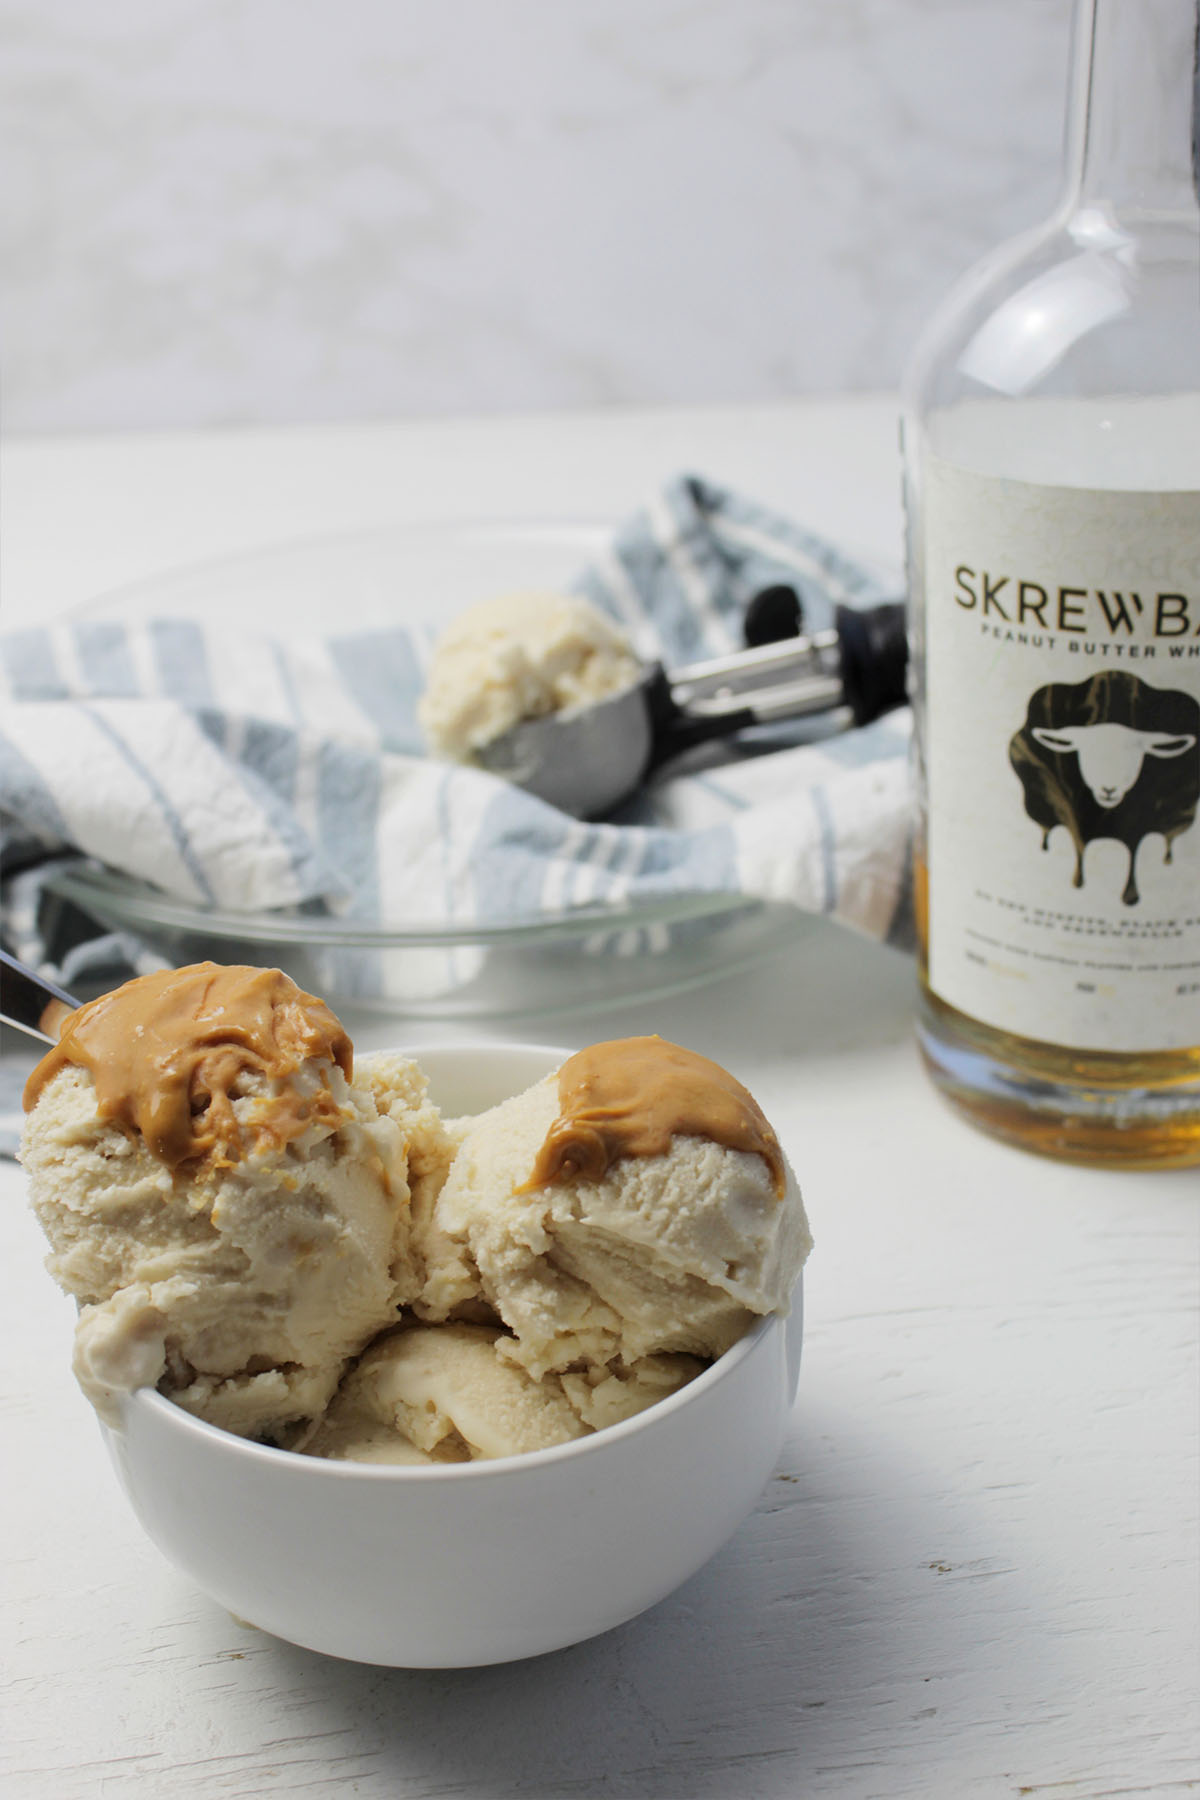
(261, 774)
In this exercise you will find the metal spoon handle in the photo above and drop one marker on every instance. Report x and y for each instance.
(860, 664)
(30, 1002)
(742, 671)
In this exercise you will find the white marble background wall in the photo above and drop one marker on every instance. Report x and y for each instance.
(269, 210)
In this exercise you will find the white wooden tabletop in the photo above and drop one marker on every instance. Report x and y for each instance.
(975, 1570)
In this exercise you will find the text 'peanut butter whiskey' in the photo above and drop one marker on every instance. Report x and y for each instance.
(1052, 484)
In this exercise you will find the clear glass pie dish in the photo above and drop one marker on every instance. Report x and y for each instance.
(526, 962)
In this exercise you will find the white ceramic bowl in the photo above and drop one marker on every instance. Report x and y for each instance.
(473, 1562)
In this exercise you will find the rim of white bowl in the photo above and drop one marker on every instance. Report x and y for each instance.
(323, 1468)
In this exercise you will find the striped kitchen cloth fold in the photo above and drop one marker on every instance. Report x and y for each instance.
(262, 772)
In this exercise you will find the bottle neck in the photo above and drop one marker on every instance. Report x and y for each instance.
(1132, 140)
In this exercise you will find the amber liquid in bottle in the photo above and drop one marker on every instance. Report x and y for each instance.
(1052, 485)
(1124, 1109)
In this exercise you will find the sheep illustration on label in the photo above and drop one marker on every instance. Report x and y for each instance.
(1111, 757)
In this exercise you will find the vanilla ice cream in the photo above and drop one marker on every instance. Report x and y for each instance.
(519, 656)
(449, 1393)
(306, 1252)
(229, 1207)
(637, 1202)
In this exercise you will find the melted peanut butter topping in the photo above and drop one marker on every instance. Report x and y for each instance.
(169, 1052)
(630, 1097)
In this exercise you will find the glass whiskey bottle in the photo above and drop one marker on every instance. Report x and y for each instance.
(1051, 434)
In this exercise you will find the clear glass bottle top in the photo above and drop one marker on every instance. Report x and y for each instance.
(1100, 304)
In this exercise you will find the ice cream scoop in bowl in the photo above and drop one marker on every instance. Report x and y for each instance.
(473, 1562)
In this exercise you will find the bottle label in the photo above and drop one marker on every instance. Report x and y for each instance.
(1061, 732)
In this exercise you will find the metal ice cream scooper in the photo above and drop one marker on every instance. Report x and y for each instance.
(589, 759)
(30, 1002)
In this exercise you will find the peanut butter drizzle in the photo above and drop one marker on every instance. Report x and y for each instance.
(630, 1097)
(166, 1051)
(55, 1014)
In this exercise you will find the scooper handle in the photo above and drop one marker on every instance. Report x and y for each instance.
(873, 642)
(861, 664)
